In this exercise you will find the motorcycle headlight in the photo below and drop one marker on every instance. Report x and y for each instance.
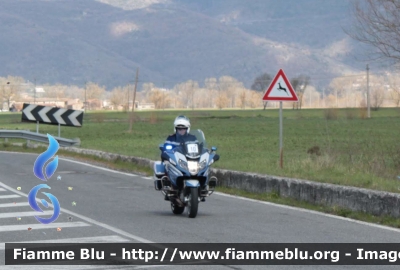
(183, 164)
(202, 164)
(168, 147)
(193, 167)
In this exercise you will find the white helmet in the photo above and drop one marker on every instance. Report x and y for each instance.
(182, 121)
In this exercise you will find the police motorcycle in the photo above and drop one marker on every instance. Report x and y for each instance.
(184, 177)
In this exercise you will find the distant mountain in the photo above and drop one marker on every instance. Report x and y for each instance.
(172, 41)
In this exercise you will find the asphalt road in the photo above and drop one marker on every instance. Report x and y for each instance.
(112, 206)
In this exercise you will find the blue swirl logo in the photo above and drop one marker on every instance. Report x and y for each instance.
(51, 167)
(35, 206)
(44, 172)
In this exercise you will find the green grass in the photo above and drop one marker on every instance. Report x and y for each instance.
(353, 151)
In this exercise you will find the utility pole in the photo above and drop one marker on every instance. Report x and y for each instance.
(133, 103)
(368, 101)
(129, 86)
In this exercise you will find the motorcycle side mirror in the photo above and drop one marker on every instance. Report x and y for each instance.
(216, 158)
(213, 148)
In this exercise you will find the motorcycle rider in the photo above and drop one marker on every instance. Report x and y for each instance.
(181, 135)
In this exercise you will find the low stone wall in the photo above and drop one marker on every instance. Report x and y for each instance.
(356, 199)
(144, 162)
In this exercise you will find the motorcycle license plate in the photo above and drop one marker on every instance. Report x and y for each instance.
(192, 148)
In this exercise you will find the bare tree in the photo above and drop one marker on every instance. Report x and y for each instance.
(75, 92)
(261, 84)
(299, 85)
(211, 85)
(340, 88)
(156, 97)
(194, 86)
(119, 97)
(242, 98)
(56, 91)
(231, 87)
(185, 91)
(377, 24)
(395, 95)
(221, 100)
(94, 91)
(394, 88)
(255, 99)
(10, 89)
(377, 97)
(177, 91)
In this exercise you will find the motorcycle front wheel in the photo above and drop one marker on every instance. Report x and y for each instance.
(193, 203)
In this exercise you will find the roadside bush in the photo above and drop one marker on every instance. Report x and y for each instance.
(349, 114)
(331, 114)
(99, 117)
(314, 151)
(363, 110)
(153, 118)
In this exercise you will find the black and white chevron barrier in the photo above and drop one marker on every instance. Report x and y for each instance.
(51, 115)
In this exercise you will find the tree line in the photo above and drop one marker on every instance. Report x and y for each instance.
(220, 93)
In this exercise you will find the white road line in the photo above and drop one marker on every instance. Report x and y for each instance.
(89, 220)
(108, 227)
(36, 226)
(25, 214)
(97, 167)
(9, 196)
(17, 204)
(78, 162)
(2, 189)
(96, 239)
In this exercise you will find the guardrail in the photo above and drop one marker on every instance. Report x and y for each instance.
(28, 135)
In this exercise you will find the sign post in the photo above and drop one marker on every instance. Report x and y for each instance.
(280, 90)
(280, 135)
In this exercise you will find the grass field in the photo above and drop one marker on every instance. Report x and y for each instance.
(352, 150)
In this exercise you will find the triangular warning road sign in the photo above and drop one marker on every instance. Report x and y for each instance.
(280, 89)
